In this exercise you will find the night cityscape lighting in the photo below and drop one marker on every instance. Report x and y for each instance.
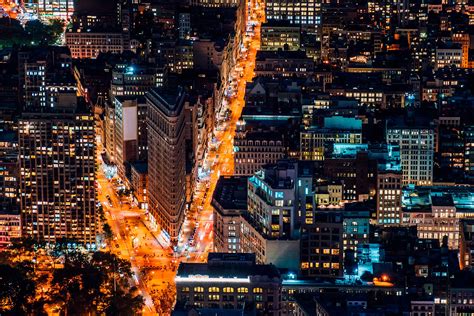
(237, 157)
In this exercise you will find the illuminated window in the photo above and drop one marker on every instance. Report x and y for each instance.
(213, 289)
(228, 290)
(214, 297)
(243, 290)
(199, 289)
(258, 290)
(185, 289)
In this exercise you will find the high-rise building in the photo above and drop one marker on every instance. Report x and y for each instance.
(215, 3)
(271, 199)
(389, 207)
(229, 202)
(280, 35)
(184, 21)
(276, 204)
(167, 160)
(109, 130)
(9, 171)
(46, 79)
(10, 227)
(55, 9)
(416, 150)
(57, 176)
(322, 246)
(130, 133)
(307, 13)
(468, 135)
(356, 218)
(135, 80)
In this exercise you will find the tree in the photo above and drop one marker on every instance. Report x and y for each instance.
(96, 283)
(37, 32)
(125, 303)
(11, 33)
(56, 29)
(41, 33)
(17, 290)
(88, 283)
(107, 231)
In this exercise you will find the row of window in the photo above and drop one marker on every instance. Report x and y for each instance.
(214, 289)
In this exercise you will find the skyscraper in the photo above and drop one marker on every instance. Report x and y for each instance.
(167, 160)
(130, 133)
(59, 9)
(57, 175)
(45, 78)
(416, 143)
(307, 13)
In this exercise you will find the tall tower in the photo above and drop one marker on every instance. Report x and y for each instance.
(167, 160)
(416, 143)
(57, 176)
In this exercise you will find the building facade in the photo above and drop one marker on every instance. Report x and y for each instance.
(307, 13)
(89, 45)
(130, 133)
(166, 160)
(10, 228)
(254, 149)
(57, 176)
(416, 152)
(322, 246)
(280, 35)
(229, 281)
(229, 202)
(59, 9)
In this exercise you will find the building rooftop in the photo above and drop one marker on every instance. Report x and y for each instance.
(263, 135)
(281, 54)
(140, 167)
(278, 176)
(279, 23)
(226, 266)
(230, 194)
(8, 136)
(422, 198)
(444, 200)
(169, 101)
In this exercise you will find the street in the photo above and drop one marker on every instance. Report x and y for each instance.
(153, 262)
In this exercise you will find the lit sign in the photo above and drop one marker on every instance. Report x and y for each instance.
(207, 279)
